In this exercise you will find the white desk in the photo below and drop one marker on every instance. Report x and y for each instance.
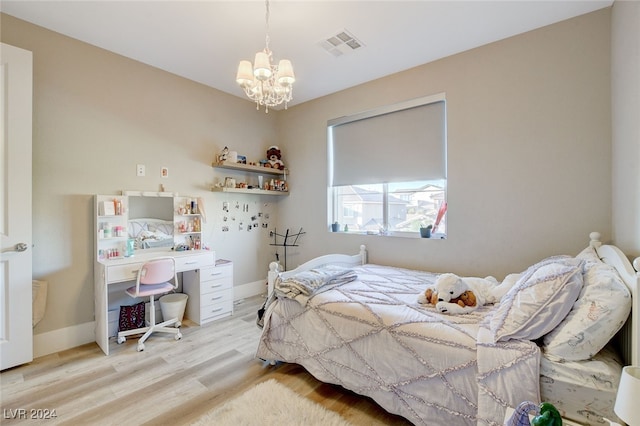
(109, 272)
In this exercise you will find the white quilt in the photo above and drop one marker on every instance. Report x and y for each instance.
(372, 337)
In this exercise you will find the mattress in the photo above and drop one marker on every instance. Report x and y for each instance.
(583, 391)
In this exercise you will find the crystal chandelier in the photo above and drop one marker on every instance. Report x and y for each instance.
(265, 83)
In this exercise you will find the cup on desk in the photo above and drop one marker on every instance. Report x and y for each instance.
(128, 251)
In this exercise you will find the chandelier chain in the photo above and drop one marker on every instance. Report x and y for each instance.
(266, 18)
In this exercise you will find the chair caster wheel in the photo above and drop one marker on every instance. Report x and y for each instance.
(178, 324)
(140, 347)
(178, 336)
(121, 339)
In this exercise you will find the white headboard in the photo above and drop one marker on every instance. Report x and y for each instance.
(629, 343)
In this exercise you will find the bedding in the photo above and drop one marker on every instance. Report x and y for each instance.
(552, 330)
(583, 391)
(371, 336)
(302, 285)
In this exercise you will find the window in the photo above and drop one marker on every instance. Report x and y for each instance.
(387, 169)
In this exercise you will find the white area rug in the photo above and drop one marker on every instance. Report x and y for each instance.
(271, 404)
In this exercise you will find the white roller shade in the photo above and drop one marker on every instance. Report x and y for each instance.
(403, 143)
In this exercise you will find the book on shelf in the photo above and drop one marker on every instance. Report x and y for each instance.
(108, 208)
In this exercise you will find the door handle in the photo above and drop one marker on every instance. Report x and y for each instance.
(20, 247)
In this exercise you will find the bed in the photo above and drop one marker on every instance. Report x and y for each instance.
(150, 232)
(369, 335)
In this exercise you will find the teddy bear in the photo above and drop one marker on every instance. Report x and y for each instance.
(273, 158)
(468, 298)
(430, 296)
(455, 295)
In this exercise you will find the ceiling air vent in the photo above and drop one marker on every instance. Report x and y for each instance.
(341, 43)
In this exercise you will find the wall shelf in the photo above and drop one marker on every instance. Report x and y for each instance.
(255, 191)
(250, 168)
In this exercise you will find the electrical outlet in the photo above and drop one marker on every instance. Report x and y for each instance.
(140, 170)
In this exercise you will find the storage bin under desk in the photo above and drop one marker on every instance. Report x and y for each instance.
(210, 292)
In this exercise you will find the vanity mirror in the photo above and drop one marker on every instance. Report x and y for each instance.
(139, 220)
(150, 219)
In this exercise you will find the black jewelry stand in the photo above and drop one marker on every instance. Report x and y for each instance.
(285, 242)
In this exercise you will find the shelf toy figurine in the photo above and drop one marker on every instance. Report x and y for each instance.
(273, 158)
(224, 155)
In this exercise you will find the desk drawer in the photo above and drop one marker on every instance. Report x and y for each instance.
(214, 286)
(198, 261)
(216, 305)
(216, 272)
(220, 313)
(119, 273)
(216, 297)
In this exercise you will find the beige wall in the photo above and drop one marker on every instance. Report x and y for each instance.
(97, 115)
(529, 151)
(625, 88)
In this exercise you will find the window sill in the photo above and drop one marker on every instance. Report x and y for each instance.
(410, 235)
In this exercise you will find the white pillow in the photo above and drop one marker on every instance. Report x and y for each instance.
(589, 254)
(539, 300)
(600, 311)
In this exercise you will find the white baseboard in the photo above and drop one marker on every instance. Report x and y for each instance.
(70, 337)
(63, 339)
(250, 289)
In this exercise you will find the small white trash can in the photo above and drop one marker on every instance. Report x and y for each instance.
(173, 306)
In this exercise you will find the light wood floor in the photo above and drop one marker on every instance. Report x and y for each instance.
(170, 383)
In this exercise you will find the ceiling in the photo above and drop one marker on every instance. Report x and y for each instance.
(204, 40)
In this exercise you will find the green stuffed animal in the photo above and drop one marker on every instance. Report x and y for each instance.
(545, 415)
(549, 416)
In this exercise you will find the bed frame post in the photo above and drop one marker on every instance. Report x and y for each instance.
(595, 240)
(363, 254)
(271, 276)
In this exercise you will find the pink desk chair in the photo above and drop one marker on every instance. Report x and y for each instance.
(153, 278)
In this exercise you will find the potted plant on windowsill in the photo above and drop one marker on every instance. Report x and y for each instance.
(335, 227)
(425, 231)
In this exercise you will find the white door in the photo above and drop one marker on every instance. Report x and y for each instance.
(16, 334)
